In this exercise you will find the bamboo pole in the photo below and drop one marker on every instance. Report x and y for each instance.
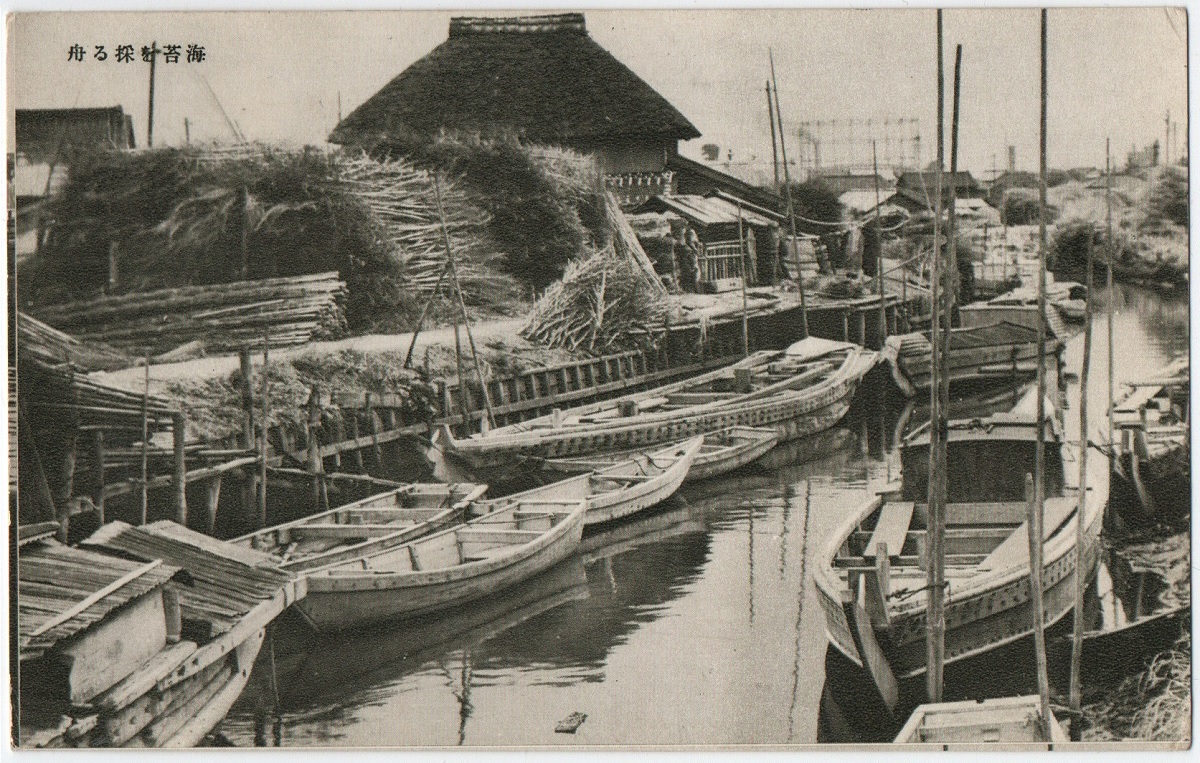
(262, 453)
(1036, 599)
(883, 329)
(462, 306)
(179, 475)
(1076, 691)
(98, 457)
(145, 485)
(745, 309)
(935, 645)
(424, 313)
(774, 148)
(315, 462)
(1037, 507)
(787, 185)
(1112, 302)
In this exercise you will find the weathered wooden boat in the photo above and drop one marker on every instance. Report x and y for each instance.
(499, 546)
(1011, 722)
(1152, 452)
(799, 391)
(380, 521)
(871, 579)
(144, 637)
(1000, 352)
(617, 490)
(721, 452)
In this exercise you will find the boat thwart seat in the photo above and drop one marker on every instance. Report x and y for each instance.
(891, 530)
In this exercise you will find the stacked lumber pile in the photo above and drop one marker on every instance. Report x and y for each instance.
(51, 346)
(288, 311)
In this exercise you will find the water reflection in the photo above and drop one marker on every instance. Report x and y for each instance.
(693, 624)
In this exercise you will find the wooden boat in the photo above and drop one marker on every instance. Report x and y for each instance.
(619, 489)
(1011, 722)
(116, 653)
(499, 546)
(871, 579)
(380, 521)
(1151, 456)
(721, 452)
(802, 390)
(1001, 352)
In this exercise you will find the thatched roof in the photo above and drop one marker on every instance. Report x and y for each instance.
(540, 76)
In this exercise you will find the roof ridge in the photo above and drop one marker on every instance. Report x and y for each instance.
(541, 24)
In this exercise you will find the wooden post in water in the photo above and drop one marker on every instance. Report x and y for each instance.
(1038, 485)
(1076, 691)
(787, 185)
(745, 309)
(179, 475)
(883, 327)
(145, 440)
(935, 643)
(262, 453)
(247, 399)
(113, 273)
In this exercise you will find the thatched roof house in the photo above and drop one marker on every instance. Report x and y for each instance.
(542, 77)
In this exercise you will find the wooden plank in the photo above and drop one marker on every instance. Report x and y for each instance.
(111, 649)
(891, 529)
(872, 655)
(338, 531)
(1015, 550)
(143, 680)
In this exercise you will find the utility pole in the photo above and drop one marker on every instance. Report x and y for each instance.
(1167, 140)
(154, 51)
(187, 132)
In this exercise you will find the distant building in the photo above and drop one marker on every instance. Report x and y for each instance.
(542, 78)
(846, 181)
(692, 177)
(46, 139)
(916, 191)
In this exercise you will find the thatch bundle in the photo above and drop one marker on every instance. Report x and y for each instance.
(201, 216)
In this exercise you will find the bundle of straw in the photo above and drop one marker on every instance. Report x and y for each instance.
(602, 303)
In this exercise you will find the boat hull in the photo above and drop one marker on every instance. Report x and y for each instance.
(338, 602)
(792, 413)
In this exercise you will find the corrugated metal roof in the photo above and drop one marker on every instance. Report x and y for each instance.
(704, 210)
(52, 579)
(228, 581)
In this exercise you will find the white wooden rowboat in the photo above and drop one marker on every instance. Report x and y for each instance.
(1010, 722)
(617, 490)
(800, 391)
(497, 548)
(871, 579)
(722, 452)
(379, 521)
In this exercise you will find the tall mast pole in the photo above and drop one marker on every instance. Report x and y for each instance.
(883, 330)
(1039, 486)
(787, 185)
(774, 145)
(1112, 302)
(935, 645)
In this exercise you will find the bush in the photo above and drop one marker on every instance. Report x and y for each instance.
(1021, 208)
(1069, 247)
(815, 200)
(1169, 200)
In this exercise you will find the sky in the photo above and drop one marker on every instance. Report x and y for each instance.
(278, 76)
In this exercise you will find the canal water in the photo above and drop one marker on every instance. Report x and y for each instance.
(695, 624)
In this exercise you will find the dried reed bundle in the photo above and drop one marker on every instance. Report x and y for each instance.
(601, 304)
